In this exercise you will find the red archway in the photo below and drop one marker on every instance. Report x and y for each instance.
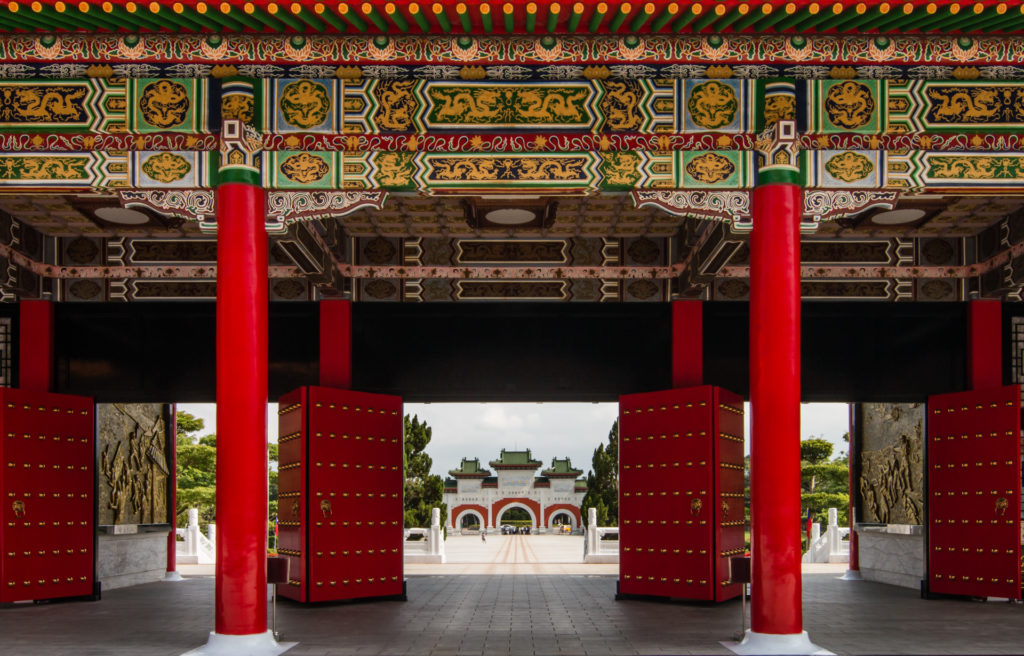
(553, 509)
(499, 507)
(471, 507)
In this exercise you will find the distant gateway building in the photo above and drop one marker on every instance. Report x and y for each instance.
(474, 496)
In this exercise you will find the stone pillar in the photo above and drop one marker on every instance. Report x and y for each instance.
(776, 616)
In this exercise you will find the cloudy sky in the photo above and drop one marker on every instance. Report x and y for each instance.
(481, 430)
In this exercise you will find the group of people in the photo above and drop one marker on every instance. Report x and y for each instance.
(515, 530)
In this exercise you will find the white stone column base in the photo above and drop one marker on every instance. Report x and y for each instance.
(254, 644)
(771, 644)
(173, 576)
(851, 575)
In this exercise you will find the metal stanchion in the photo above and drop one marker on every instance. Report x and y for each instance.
(277, 573)
(739, 572)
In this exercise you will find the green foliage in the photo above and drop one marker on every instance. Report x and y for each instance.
(423, 490)
(188, 426)
(209, 440)
(603, 481)
(815, 450)
(824, 484)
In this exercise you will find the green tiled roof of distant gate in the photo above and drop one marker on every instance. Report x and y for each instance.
(489, 481)
(562, 467)
(581, 485)
(470, 467)
(516, 460)
(541, 481)
(450, 483)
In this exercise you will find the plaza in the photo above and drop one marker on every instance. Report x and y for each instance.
(681, 207)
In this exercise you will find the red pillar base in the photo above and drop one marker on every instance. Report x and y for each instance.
(252, 644)
(767, 644)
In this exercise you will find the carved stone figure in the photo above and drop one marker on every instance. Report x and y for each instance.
(892, 463)
(133, 442)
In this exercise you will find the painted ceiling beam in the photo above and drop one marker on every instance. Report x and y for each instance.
(516, 16)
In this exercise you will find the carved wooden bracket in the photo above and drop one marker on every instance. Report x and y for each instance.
(283, 207)
(734, 206)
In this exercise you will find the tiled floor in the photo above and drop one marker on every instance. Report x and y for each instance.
(514, 614)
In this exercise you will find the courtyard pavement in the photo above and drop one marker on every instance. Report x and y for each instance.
(514, 613)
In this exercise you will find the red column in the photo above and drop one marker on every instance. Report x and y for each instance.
(984, 344)
(336, 344)
(35, 346)
(172, 537)
(241, 588)
(854, 545)
(775, 408)
(687, 343)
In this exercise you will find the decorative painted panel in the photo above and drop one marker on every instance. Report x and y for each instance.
(681, 500)
(974, 488)
(167, 105)
(47, 445)
(95, 105)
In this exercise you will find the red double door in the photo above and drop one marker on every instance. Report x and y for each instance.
(681, 492)
(47, 447)
(974, 486)
(340, 494)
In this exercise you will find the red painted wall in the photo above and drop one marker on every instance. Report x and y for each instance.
(499, 506)
(457, 510)
(550, 511)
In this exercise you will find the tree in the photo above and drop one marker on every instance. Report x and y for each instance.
(603, 481)
(197, 472)
(824, 483)
(423, 490)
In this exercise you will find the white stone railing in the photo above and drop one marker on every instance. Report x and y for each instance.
(833, 546)
(596, 549)
(197, 549)
(429, 548)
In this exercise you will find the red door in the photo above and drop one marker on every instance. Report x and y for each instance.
(681, 505)
(47, 447)
(340, 501)
(974, 482)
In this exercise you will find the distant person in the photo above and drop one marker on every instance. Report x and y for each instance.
(483, 535)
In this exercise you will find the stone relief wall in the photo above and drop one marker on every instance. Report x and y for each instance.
(133, 463)
(892, 463)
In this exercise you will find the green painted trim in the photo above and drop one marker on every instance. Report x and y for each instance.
(237, 174)
(808, 19)
(421, 20)
(754, 15)
(222, 19)
(158, 17)
(376, 18)
(732, 16)
(191, 14)
(88, 21)
(898, 17)
(335, 21)
(617, 20)
(23, 19)
(858, 21)
(442, 18)
(244, 18)
(574, 18)
(485, 18)
(354, 19)
(831, 18)
(595, 19)
(552, 19)
(707, 19)
(640, 19)
(878, 17)
(168, 15)
(941, 16)
(510, 22)
(286, 17)
(663, 18)
(686, 18)
(1011, 21)
(531, 22)
(777, 175)
(467, 25)
(774, 18)
(310, 18)
(48, 13)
